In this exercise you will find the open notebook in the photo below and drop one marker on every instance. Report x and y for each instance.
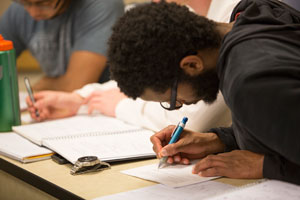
(16, 147)
(107, 138)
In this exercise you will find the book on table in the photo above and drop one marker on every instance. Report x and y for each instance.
(18, 148)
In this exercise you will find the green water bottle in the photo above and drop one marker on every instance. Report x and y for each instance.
(9, 91)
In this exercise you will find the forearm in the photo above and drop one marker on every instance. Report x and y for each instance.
(88, 89)
(62, 83)
(277, 167)
(227, 137)
(213, 144)
(84, 67)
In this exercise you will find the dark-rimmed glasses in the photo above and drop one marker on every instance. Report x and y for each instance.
(173, 104)
(44, 5)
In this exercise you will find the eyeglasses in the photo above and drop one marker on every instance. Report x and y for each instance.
(44, 5)
(173, 104)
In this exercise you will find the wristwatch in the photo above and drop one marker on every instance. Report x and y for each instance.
(88, 164)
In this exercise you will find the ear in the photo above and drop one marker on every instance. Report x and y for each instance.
(192, 65)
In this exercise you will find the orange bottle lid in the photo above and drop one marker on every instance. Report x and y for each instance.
(5, 45)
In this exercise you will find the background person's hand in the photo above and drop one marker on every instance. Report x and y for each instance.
(105, 101)
(191, 145)
(235, 164)
(53, 105)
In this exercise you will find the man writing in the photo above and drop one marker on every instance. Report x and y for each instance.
(108, 100)
(61, 35)
(178, 57)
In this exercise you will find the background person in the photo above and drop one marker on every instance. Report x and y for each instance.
(61, 35)
(294, 3)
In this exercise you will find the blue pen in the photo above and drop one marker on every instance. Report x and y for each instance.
(174, 137)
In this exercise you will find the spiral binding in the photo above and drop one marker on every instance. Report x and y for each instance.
(93, 134)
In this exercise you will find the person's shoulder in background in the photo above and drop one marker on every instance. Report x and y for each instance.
(220, 10)
(16, 25)
(92, 5)
(293, 3)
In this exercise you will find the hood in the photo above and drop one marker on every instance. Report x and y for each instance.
(268, 19)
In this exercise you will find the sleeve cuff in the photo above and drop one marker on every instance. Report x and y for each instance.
(277, 167)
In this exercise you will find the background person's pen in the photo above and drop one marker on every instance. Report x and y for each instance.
(174, 137)
(30, 93)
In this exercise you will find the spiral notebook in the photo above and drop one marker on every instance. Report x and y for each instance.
(107, 138)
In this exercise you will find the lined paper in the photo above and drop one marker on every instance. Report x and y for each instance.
(162, 192)
(267, 190)
(77, 125)
(176, 175)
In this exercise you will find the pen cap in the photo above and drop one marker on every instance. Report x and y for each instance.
(9, 91)
(184, 120)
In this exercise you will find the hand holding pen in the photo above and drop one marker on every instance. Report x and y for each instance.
(191, 145)
(174, 137)
(30, 94)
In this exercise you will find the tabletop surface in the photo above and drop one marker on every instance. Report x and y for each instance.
(96, 184)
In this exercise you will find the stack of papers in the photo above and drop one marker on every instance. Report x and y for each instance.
(162, 192)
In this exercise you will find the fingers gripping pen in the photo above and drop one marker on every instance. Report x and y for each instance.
(174, 137)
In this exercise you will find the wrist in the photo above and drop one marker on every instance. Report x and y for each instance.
(214, 144)
(77, 98)
(76, 101)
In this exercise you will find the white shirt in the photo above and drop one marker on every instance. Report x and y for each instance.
(152, 116)
(220, 10)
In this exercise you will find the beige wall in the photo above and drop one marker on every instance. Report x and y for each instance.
(4, 5)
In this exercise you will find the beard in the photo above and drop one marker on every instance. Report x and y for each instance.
(206, 85)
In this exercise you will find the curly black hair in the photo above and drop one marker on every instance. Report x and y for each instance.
(149, 41)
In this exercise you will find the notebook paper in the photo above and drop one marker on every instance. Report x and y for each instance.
(211, 190)
(22, 97)
(77, 125)
(173, 175)
(162, 192)
(109, 147)
(267, 190)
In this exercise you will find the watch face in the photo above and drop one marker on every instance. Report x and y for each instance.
(87, 159)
